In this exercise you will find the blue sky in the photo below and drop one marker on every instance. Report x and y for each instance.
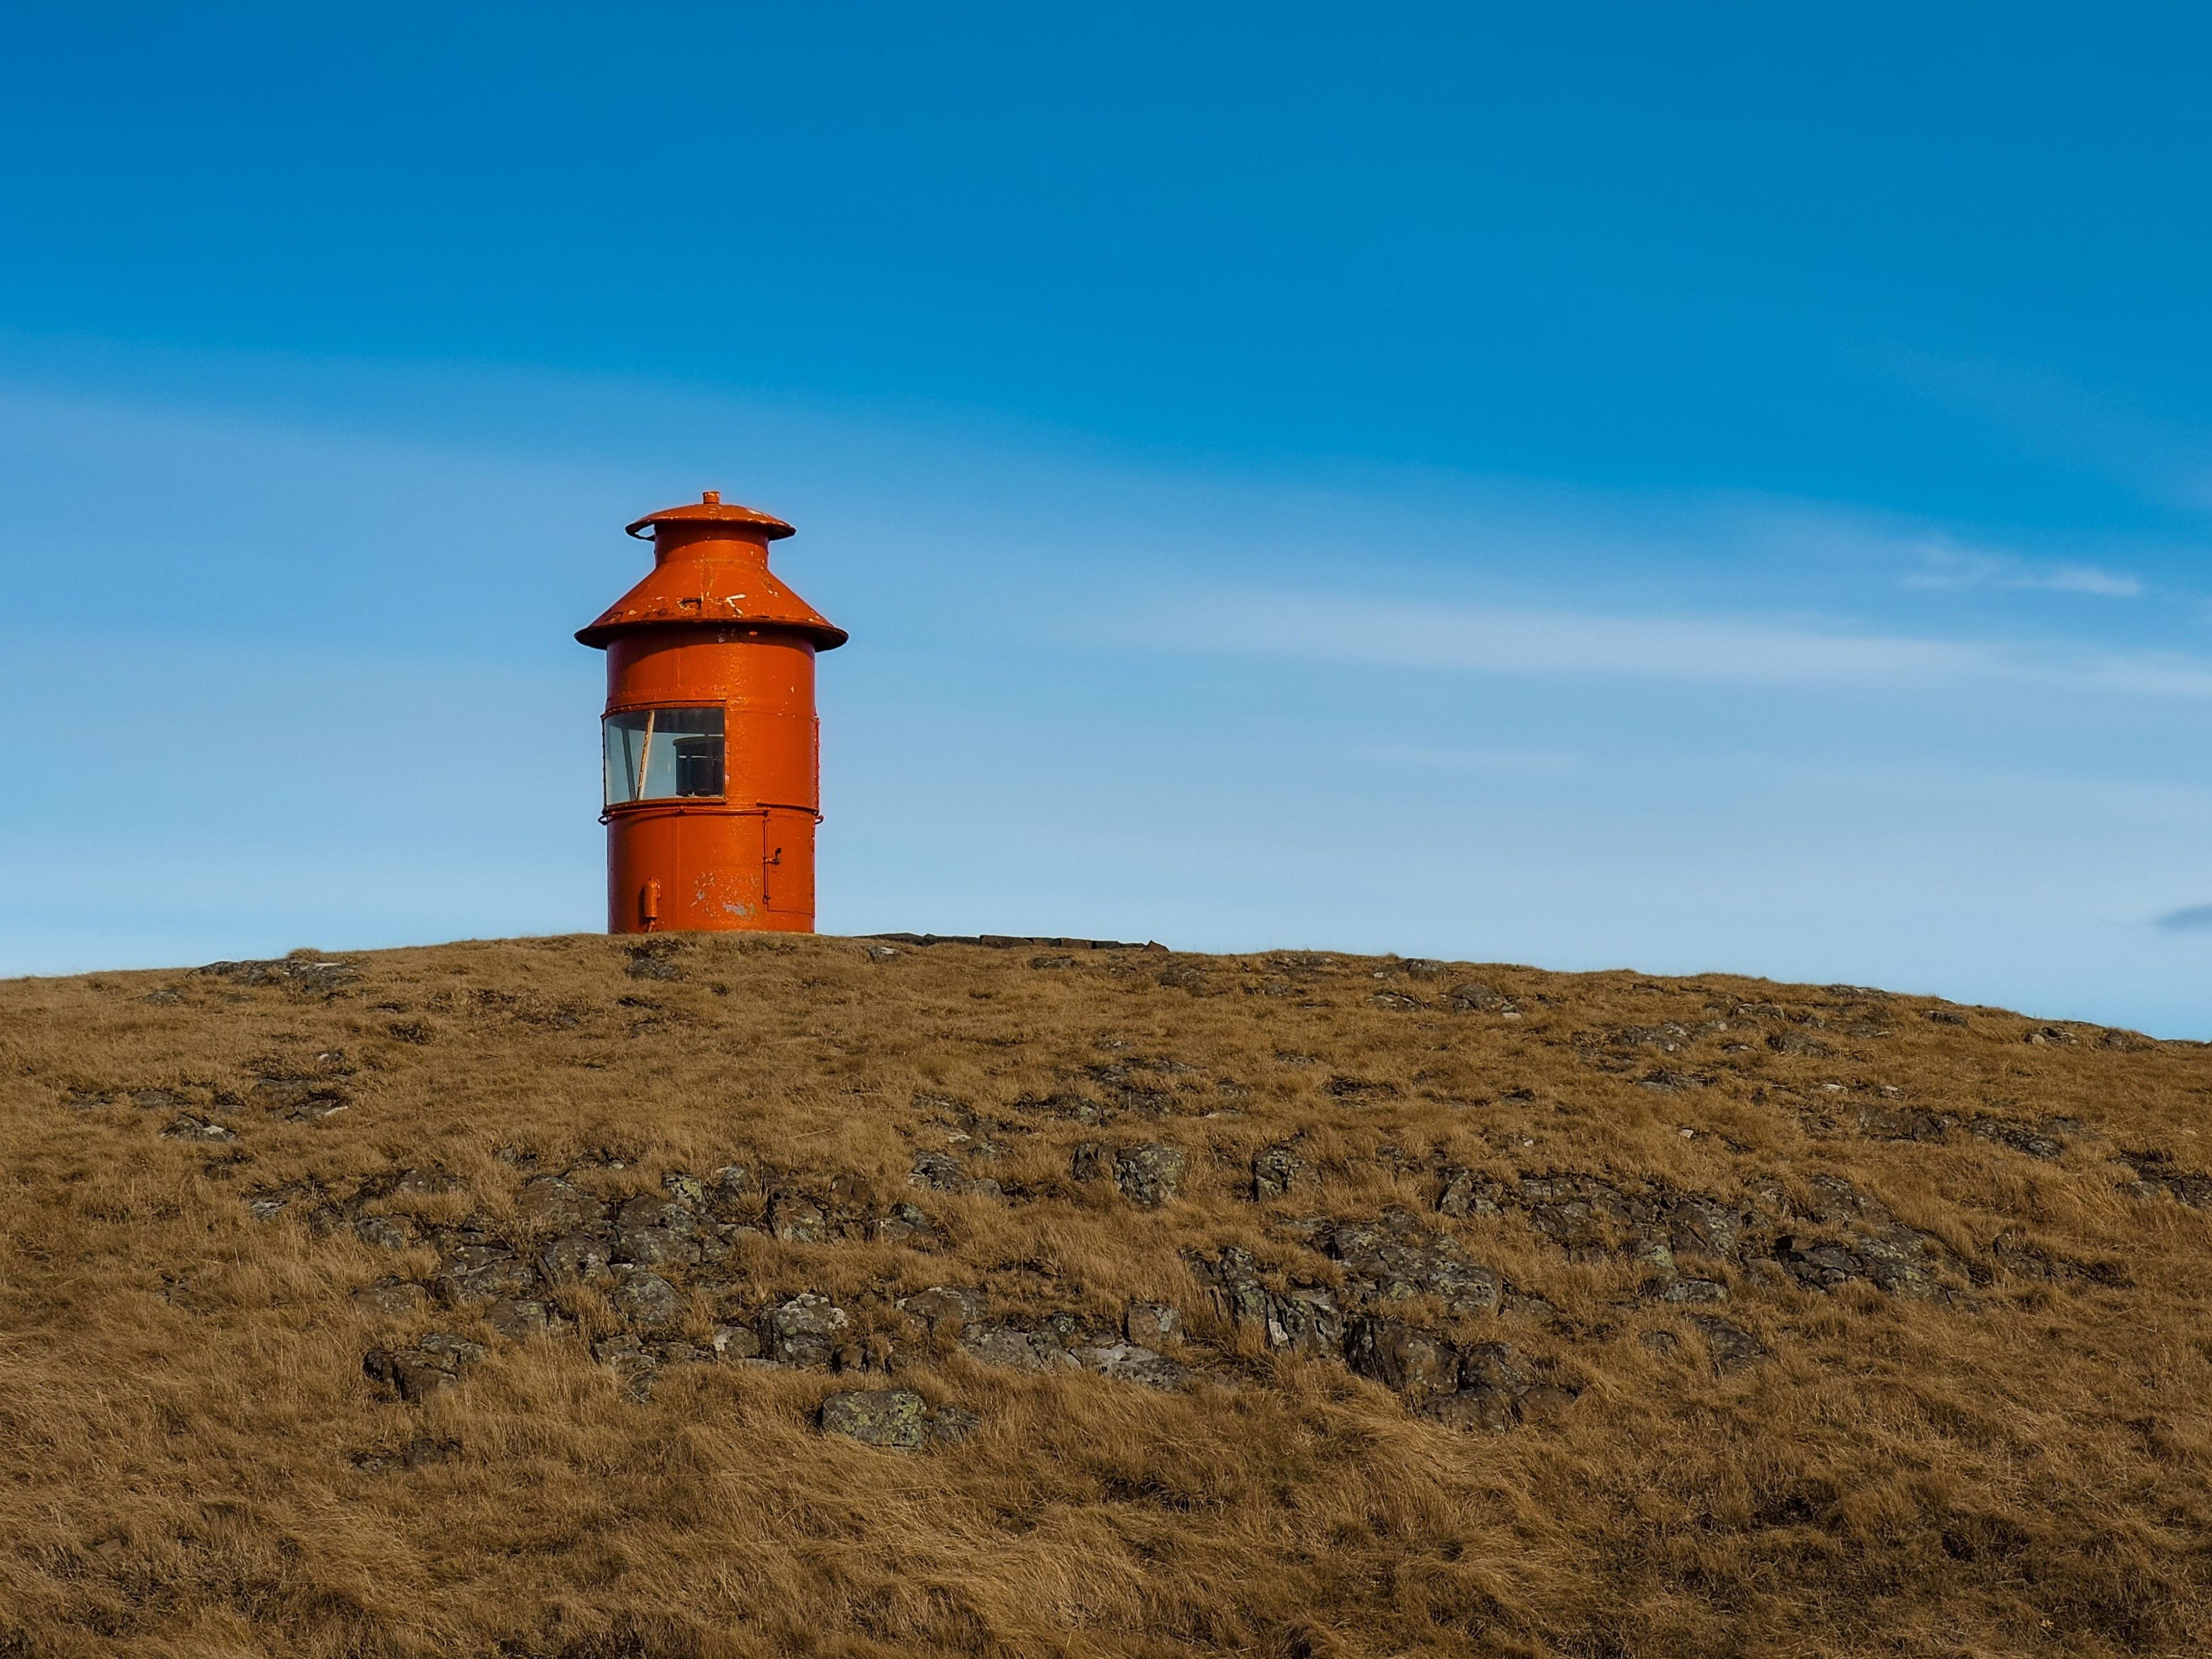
(1717, 488)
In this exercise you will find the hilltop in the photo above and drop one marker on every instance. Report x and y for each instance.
(697, 1296)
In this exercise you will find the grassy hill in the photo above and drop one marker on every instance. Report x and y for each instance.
(750, 1296)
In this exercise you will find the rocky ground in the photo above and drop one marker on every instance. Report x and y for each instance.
(694, 1297)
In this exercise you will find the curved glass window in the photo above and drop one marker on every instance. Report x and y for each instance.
(663, 754)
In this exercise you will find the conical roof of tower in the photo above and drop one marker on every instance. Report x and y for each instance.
(696, 585)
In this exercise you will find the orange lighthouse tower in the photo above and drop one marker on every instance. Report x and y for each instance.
(712, 749)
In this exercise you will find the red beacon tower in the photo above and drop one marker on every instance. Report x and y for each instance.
(712, 749)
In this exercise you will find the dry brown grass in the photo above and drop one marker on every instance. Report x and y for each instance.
(2009, 1455)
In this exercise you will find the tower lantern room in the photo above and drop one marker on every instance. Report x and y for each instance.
(711, 744)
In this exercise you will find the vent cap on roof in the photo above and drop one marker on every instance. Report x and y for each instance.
(711, 508)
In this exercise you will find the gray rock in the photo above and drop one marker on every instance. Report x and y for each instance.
(735, 1342)
(1819, 1264)
(639, 1213)
(946, 1311)
(2021, 1137)
(1897, 1261)
(1154, 1324)
(895, 1420)
(384, 1231)
(1128, 1362)
(1016, 1350)
(644, 1298)
(807, 1330)
(1305, 1320)
(576, 1256)
(304, 976)
(905, 1224)
(1698, 1226)
(1412, 1361)
(393, 1298)
(1466, 1194)
(891, 1418)
(551, 1203)
(1491, 1366)
(1150, 1174)
(432, 1365)
(1653, 1249)
(409, 1374)
(1474, 997)
(1731, 1346)
(1904, 1123)
(407, 1183)
(1519, 1305)
(653, 1247)
(1235, 1277)
(685, 1189)
(1396, 1258)
(451, 1350)
(609, 1349)
(796, 1221)
(733, 1182)
(1486, 1409)
(519, 1317)
(1065, 1328)
(421, 1452)
(2154, 1173)
(301, 1099)
(1276, 1170)
(188, 1128)
(939, 1171)
(470, 1273)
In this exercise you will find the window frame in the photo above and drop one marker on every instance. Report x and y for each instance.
(650, 710)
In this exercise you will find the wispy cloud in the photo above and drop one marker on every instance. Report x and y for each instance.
(1721, 650)
(1948, 566)
(1504, 641)
(2192, 919)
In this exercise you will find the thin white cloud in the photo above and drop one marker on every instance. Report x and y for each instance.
(2083, 579)
(1503, 641)
(1947, 566)
(1718, 650)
